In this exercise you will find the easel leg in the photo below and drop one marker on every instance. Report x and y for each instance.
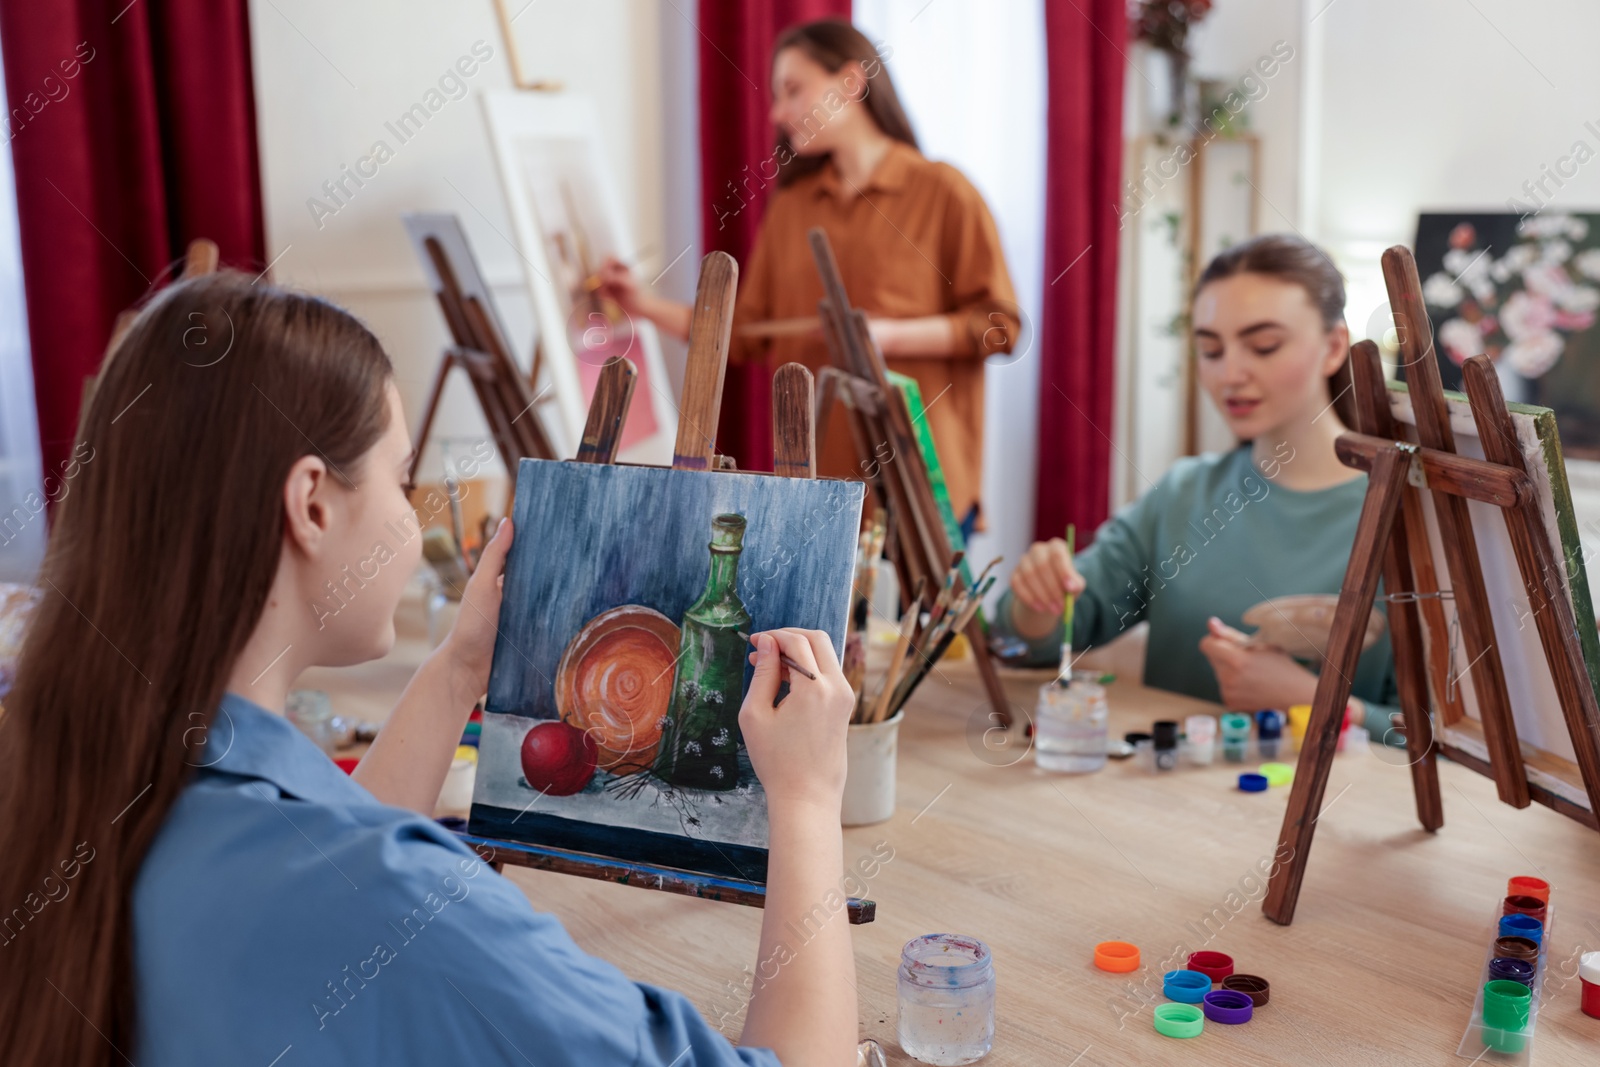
(1411, 676)
(1385, 482)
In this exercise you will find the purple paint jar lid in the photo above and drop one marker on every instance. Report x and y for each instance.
(1228, 1006)
(1511, 970)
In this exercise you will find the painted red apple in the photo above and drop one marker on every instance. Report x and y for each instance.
(558, 758)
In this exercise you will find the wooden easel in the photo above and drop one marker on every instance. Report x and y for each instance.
(478, 347)
(794, 451)
(890, 461)
(1391, 540)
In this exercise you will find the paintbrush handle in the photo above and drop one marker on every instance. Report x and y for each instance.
(891, 677)
(914, 679)
(785, 660)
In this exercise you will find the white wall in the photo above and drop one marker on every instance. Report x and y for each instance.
(328, 78)
(988, 122)
(1434, 105)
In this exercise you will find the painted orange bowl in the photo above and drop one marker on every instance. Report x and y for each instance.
(614, 682)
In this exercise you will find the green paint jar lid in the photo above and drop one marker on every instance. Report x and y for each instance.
(1179, 1020)
(1277, 773)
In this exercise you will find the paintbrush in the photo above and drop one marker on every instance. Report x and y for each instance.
(985, 572)
(1067, 607)
(891, 678)
(943, 601)
(914, 678)
(785, 660)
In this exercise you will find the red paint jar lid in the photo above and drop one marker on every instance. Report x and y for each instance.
(1214, 965)
(1527, 885)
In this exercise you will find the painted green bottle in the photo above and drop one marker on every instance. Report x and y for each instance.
(700, 740)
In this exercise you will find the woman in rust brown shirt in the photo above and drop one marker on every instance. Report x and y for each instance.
(917, 249)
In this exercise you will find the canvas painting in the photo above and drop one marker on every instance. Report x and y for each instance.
(1535, 704)
(612, 721)
(1524, 291)
(568, 221)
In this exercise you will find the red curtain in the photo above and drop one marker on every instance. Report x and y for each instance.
(1085, 42)
(735, 137)
(132, 130)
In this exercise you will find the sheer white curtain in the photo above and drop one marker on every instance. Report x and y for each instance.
(972, 78)
(21, 530)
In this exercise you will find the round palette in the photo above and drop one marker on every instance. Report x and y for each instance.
(615, 682)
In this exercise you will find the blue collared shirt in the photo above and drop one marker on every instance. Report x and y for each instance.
(285, 917)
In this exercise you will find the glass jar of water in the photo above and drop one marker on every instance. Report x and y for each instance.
(946, 999)
(1069, 726)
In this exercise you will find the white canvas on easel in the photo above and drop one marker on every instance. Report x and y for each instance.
(568, 219)
(1547, 747)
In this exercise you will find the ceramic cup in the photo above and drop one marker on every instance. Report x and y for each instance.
(869, 782)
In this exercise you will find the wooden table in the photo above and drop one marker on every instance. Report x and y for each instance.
(1379, 967)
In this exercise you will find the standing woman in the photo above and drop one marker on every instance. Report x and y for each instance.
(917, 249)
(191, 880)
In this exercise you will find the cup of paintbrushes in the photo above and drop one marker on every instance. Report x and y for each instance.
(872, 749)
(873, 739)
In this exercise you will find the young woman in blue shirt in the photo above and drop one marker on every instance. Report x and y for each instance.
(188, 880)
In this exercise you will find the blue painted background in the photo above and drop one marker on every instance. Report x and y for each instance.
(591, 536)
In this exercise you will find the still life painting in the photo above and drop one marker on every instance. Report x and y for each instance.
(612, 721)
(1523, 290)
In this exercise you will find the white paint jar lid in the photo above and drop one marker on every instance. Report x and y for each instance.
(1589, 968)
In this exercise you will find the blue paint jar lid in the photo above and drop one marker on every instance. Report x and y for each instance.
(1253, 783)
(1269, 724)
(1185, 987)
(1522, 926)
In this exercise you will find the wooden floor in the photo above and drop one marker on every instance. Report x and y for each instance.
(1379, 967)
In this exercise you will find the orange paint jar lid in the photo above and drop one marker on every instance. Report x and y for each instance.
(1116, 956)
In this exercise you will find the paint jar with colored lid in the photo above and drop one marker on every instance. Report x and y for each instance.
(1235, 736)
(1165, 737)
(1200, 739)
(946, 989)
(1589, 977)
(1269, 732)
(1299, 716)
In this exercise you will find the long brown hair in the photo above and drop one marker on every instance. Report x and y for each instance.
(832, 43)
(1294, 259)
(157, 572)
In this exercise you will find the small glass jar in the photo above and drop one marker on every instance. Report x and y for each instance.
(1165, 737)
(1069, 727)
(946, 991)
(312, 712)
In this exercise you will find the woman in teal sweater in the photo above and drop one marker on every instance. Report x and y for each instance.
(1220, 533)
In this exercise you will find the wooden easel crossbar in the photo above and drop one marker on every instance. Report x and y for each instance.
(1391, 542)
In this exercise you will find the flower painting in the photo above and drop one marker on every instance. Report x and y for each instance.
(612, 721)
(1523, 290)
